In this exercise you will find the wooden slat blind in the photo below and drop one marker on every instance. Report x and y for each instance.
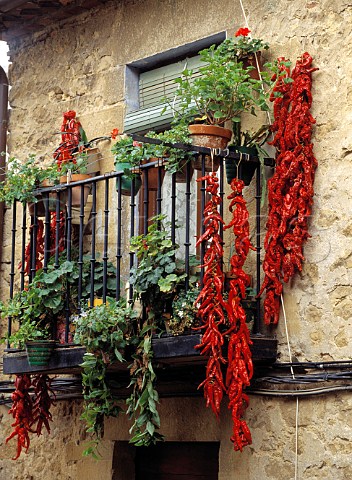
(154, 86)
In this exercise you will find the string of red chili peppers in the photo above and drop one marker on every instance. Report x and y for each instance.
(39, 252)
(22, 412)
(212, 305)
(226, 319)
(30, 414)
(290, 190)
(70, 137)
(239, 356)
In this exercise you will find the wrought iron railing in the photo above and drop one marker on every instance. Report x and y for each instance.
(112, 221)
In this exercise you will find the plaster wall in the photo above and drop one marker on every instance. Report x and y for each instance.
(80, 65)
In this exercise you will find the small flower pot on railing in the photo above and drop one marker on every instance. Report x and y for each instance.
(210, 136)
(39, 352)
(126, 180)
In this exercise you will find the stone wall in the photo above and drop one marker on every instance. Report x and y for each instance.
(80, 65)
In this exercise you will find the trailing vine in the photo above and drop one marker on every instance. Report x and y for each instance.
(142, 403)
(104, 330)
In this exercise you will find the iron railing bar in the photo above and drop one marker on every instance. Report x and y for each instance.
(202, 206)
(173, 208)
(47, 232)
(69, 225)
(221, 194)
(145, 201)
(57, 229)
(23, 250)
(80, 248)
(268, 161)
(31, 253)
(68, 256)
(93, 252)
(187, 227)
(118, 239)
(106, 236)
(12, 266)
(159, 197)
(132, 226)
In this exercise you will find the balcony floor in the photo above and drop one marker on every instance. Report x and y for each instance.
(169, 351)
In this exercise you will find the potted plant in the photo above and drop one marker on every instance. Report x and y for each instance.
(249, 146)
(128, 155)
(156, 276)
(37, 308)
(223, 91)
(72, 171)
(89, 151)
(22, 181)
(184, 312)
(176, 159)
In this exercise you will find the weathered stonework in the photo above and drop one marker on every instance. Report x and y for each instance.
(79, 65)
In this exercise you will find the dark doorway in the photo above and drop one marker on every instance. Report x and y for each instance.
(178, 460)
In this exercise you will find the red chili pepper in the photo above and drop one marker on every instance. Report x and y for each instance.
(290, 190)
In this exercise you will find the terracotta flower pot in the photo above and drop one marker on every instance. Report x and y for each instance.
(53, 197)
(76, 191)
(210, 136)
(251, 61)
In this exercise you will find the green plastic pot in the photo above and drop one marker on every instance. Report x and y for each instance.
(246, 167)
(126, 181)
(39, 352)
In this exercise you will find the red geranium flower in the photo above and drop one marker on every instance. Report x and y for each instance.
(242, 32)
(114, 133)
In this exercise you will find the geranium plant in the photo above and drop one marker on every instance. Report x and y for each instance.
(225, 88)
(23, 178)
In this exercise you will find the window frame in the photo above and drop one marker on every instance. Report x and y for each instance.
(132, 76)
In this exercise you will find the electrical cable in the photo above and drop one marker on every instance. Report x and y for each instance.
(299, 393)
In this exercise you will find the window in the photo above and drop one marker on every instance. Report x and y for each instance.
(150, 80)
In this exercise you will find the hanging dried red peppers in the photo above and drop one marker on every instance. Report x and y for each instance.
(239, 357)
(30, 414)
(42, 403)
(70, 137)
(226, 319)
(212, 305)
(22, 412)
(290, 190)
(39, 252)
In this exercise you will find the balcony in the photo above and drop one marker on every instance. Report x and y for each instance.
(95, 239)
